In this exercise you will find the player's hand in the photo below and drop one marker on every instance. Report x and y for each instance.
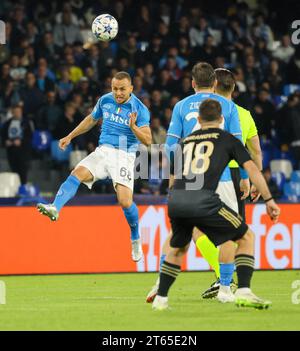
(273, 210)
(132, 120)
(254, 193)
(245, 188)
(64, 142)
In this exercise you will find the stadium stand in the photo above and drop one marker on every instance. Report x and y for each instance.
(57, 79)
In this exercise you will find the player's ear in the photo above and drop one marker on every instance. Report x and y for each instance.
(193, 84)
(199, 119)
(233, 88)
(221, 119)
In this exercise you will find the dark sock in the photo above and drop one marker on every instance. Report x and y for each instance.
(168, 274)
(244, 269)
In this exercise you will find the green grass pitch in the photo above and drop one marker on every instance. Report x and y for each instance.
(117, 302)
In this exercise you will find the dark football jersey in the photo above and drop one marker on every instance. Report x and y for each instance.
(197, 166)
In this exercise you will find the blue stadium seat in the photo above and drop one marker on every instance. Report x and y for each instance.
(279, 100)
(295, 186)
(41, 140)
(29, 194)
(295, 176)
(279, 179)
(276, 153)
(60, 155)
(265, 143)
(267, 156)
(292, 188)
(28, 190)
(267, 151)
(289, 89)
(289, 193)
(275, 137)
(286, 155)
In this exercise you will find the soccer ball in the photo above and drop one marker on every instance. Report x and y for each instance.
(105, 27)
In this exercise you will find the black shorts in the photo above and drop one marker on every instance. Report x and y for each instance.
(220, 227)
(236, 177)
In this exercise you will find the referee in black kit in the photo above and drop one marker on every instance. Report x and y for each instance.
(193, 202)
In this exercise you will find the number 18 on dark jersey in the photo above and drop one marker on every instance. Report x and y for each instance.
(197, 166)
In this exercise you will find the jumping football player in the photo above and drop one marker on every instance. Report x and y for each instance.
(125, 124)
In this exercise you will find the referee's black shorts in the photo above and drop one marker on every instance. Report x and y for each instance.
(236, 177)
(220, 227)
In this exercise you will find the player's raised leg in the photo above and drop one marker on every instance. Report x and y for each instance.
(131, 213)
(80, 174)
(67, 191)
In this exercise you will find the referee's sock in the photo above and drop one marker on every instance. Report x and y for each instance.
(244, 270)
(210, 252)
(132, 216)
(168, 274)
(67, 190)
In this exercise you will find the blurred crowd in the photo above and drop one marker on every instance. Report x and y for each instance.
(52, 70)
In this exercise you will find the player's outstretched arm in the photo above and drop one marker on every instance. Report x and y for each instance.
(259, 181)
(142, 133)
(84, 126)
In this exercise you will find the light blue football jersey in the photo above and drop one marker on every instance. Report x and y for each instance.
(184, 120)
(115, 121)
